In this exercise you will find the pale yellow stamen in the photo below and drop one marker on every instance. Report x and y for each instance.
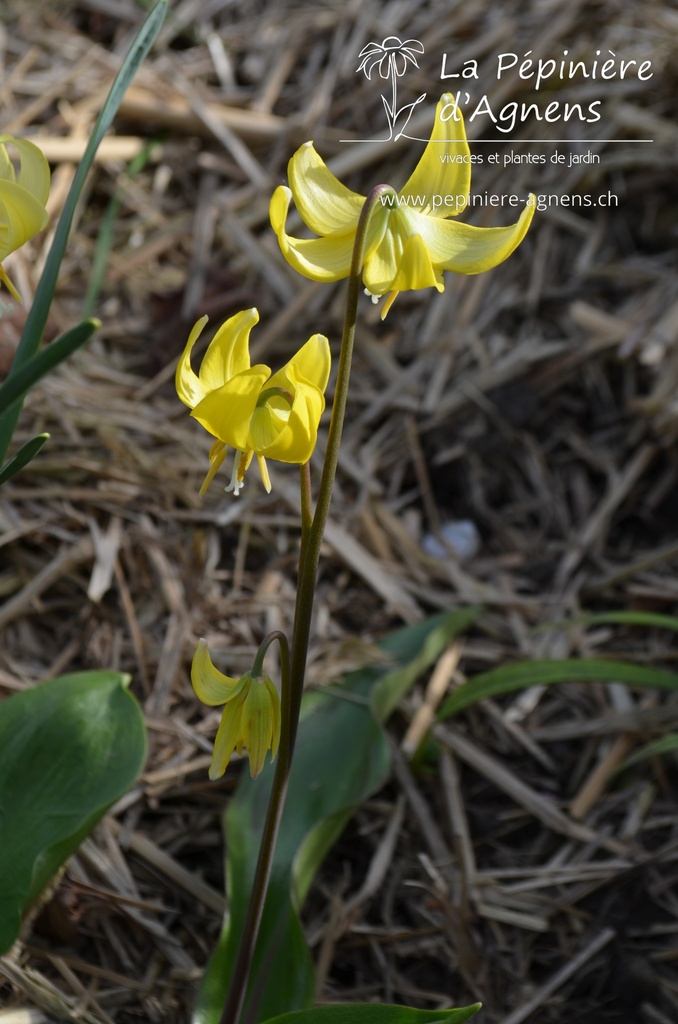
(6, 281)
(218, 453)
(263, 469)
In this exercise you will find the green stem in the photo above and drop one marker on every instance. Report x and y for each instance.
(255, 909)
(306, 511)
(311, 540)
(258, 663)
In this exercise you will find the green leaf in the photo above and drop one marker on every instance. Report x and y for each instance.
(374, 1013)
(657, 748)
(391, 688)
(619, 618)
(26, 454)
(341, 757)
(509, 678)
(37, 317)
(18, 384)
(69, 748)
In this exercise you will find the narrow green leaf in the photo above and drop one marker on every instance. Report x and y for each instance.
(69, 748)
(37, 317)
(18, 384)
(375, 1013)
(509, 678)
(619, 618)
(26, 453)
(391, 688)
(657, 748)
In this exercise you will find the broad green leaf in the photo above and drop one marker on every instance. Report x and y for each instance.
(25, 454)
(375, 1013)
(341, 757)
(37, 317)
(509, 678)
(69, 748)
(18, 384)
(657, 748)
(391, 688)
(313, 851)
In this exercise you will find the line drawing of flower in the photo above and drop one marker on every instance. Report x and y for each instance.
(391, 58)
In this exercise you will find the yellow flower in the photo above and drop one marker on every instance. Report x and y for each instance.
(251, 716)
(22, 198)
(410, 238)
(246, 408)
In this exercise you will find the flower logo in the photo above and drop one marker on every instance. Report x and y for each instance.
(391, 58)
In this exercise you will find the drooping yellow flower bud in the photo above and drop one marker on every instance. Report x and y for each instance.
(251, 716)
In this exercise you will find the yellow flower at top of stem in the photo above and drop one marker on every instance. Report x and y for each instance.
(23, 195)
(412, 236)
(246, 408)
(251, 715)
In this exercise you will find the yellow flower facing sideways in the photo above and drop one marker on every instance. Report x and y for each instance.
(246, 408)
(22, 198)
(412, 235)
(251, 716)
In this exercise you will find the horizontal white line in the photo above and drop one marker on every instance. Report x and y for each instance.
(451, 142)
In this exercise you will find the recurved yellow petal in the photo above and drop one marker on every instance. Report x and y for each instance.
(321, 259)
(324, 203)
(228, 353)
(311, 363)
(21, 217)
(211, 686)
(33, 173)
(471, 250)
(435, 175)
(227, 412)
(189, 387)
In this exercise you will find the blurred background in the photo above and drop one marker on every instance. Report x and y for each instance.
(510, 442)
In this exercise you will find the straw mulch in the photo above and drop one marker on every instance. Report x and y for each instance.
(537, 401)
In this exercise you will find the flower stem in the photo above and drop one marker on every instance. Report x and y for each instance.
(293, 682)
